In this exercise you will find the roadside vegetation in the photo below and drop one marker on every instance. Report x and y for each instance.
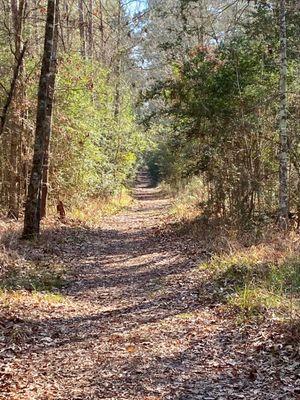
(254, 270)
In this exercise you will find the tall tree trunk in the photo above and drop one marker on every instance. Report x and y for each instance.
(13, 198)
(118, 99)
(43, 121)
(67, 23)
(90, 29)
(81, 28)
(283, 150)
(101, 28)
(118, 61)
(202, 22)
(46, 163)
(15, 123)
(13, 86)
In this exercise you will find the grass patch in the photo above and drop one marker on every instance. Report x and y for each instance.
(19, 274)
(21, 297)
(256, 283)
(94, 210)
(258, 300)
(185, 316)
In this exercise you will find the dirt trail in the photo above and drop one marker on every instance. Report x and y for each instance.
(134, 326)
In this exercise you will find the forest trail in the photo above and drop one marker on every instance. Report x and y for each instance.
(133, 325)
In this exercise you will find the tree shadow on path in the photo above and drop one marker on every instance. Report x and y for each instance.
(133, 326)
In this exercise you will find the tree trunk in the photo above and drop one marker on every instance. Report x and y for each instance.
(90, 29)
(46, 163)
(13, 86)
(118, 61)
(15, 121)
(101, 28)
(283, 150)
(81, 29)
(43, 121)
(13, 198)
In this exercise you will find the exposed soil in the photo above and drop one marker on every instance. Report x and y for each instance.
(134, 325)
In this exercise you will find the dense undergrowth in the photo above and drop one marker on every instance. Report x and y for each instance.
(94, 153)
(217, 118)
(254, 269)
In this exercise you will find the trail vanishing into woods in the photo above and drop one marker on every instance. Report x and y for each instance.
(134, 325)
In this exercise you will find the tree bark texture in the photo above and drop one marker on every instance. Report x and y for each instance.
(43, 121)
(81, 28)
(46, 163)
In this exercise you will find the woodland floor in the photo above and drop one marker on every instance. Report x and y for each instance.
(133, 323)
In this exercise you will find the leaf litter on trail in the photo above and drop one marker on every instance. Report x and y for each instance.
(131, 322)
